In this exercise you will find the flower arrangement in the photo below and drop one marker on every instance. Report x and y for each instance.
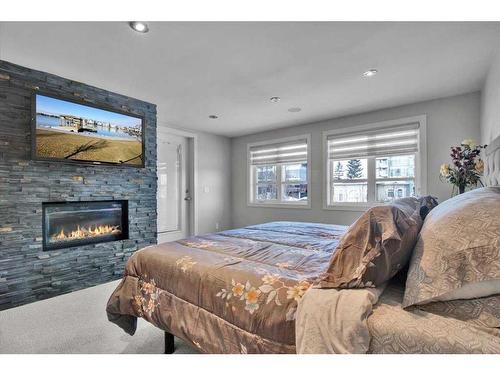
(466, 168)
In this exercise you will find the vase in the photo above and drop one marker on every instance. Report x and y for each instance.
(461, 189)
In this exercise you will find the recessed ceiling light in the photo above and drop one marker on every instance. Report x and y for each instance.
(140, 27)
(294, 109)
(275, 99)
(370, 73)
(213, 117)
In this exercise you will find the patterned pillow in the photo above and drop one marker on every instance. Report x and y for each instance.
(457, 255)
(377, 245)
(479, 311)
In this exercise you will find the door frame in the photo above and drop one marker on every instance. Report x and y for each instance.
(162, 132)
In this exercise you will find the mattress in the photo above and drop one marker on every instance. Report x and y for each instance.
(234, 291)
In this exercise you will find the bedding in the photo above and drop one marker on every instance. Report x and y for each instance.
(229, 292)
(372, 320)
(480, 311)
(414, 331)
(335, 320)
(378, 245)
(457, 255)
(238, 291)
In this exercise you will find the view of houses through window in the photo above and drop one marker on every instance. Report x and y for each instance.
(350, 180)
(394, 177)
(281, 182)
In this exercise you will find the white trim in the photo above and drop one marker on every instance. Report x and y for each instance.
(420, 158)
(277, 204)
(421, 161)
(372, 180)
(361, 207)
(194, 217)
(280, 205)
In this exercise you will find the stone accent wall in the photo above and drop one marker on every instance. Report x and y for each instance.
(28, 274)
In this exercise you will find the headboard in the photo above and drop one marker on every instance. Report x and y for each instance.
(492, 163)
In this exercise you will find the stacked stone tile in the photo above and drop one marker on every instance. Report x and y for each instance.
(27, 273)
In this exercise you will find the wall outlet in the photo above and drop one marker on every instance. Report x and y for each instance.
(217, 226)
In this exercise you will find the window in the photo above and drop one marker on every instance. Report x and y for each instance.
(279, 172)
(375, 163)
(350, 180)
(395, 177)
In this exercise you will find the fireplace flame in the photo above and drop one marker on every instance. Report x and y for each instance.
(83, 232)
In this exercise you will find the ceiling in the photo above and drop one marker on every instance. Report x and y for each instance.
(193, 69)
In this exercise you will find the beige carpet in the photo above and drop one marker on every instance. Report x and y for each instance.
(76, 323)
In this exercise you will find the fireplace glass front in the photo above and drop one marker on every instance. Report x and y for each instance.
(68, 224)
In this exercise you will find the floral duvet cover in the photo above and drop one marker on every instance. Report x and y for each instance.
(234, 291)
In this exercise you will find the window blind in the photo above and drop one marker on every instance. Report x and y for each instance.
(381, 142)
(280, 152)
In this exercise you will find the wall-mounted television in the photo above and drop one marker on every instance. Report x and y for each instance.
(77, 132)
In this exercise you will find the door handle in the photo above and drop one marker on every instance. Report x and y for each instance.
(188, 198)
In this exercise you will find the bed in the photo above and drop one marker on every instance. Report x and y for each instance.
(238, 291)
(230, 292)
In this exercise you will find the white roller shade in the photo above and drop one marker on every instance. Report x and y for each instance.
(381, 142)
(282, 152)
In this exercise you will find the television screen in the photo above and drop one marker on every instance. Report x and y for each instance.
(68, 131)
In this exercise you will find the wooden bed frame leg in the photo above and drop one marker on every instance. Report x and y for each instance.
(169, 343)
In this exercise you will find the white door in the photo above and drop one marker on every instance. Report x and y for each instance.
(174, 196)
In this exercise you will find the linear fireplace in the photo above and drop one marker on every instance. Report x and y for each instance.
(68, 224)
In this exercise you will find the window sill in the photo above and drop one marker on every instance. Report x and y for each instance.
(280, 205)
(350, 207)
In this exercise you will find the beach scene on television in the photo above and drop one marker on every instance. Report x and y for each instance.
(71, 131)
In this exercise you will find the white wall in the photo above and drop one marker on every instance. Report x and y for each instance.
(490, 104)
(449, 121)
(213, 178)
(214, 182)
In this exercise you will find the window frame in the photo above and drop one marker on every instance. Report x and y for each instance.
(280, 182)
(420, 163)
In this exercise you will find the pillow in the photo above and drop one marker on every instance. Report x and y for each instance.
(479, 311)
(377, 245)
(457, 255)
